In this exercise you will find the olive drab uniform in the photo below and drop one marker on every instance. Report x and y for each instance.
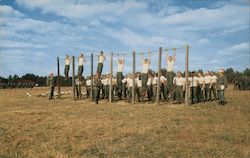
(96, 89)
(221, 86)
(52, 84)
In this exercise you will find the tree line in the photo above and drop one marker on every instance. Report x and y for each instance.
(232, 75)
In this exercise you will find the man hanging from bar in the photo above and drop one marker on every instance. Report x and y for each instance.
(170, 69)
(144, 76)
(67, 66)
(81, 60)
(101, 59)
(120, 76)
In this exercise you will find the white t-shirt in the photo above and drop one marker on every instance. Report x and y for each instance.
(193, 81)
(208, 79)
(105, 81)
(101, 58)
(155, 80)
(120, 67)
(149, 82)
(170, 65)
(138, 82)
(130, 82)
(145, 67)
(201, 80)
(80, 61)
(124, 80)
(88, 82)
(113, 81)
(163, 79)
(179, 81)
(67, 61)
(214, 79)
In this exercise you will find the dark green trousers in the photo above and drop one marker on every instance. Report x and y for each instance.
(99, 68)
(170, 76)
(80, 70)
(193, 95)
(213, 91)
(207, 92)
(96, 94)
(119, 84)
(200, 93)
(179, 94)
(66, 71)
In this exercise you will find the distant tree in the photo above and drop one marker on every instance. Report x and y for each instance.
(246, 72)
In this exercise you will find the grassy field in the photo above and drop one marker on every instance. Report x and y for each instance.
(36, 127)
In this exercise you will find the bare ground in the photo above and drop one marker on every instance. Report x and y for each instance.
(36, 127)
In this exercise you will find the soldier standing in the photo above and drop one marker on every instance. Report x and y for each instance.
(222, 86)
(193, 88)
(201, 87)
(179, 82)
(52, 84)
(213, 86)
(96, 88)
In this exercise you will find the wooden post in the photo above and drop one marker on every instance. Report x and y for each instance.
(133, 78)
(111, 77)
(186, 75)
(58, 78)
(91, 77)
(159, 76)
(73, 78)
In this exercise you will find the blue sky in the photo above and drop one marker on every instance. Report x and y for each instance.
(34, 32)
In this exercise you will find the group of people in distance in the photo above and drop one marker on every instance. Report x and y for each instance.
(208, 87)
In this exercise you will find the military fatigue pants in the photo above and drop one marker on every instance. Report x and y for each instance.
(193, 95)
(213, 91)
(149, 92)
(51, 92)
(221, 96)
(124, 90)
(119, 84)
(179, 94)
(207, 92)
(170, 76)
(154, 90)
(80, 70)
(96, 94)
(99, 68)
(66, 71)
(200, 93)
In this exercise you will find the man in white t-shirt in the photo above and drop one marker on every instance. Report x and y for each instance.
(67, 66)
(170, 67)
(120, 76)
(149, 87)
(81, 60)
(144, 74)
(124, 86)
(208, 84)
(213, 86)
(164, 87)
(154, 85)
(201, 87)
(193, 80)
(179, 82)
(138, 83)
(101, 59)
(88, 86)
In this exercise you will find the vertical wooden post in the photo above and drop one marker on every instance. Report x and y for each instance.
(133, 78)
(186, 75)
(73, 78)
(111, 78)
(91, 76)
(58, 78)
(159, 76)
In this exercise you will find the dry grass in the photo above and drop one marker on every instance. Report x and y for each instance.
(37, 127)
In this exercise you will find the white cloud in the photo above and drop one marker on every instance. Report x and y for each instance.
(242, 49)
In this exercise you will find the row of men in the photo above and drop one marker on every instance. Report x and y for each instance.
(201, 88)
(145, 62)
(242, 83)
(11, 85)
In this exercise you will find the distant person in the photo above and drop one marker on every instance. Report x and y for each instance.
(213, 86)
(101, 59)
(120, 76)
(179, 83)
(170, 67)
(81, 60)
(67, 66)
(208, 84)
(193, 79)
(144, 74)
(222, 86)
(96, 88)
(201, 87)
(52, 84)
